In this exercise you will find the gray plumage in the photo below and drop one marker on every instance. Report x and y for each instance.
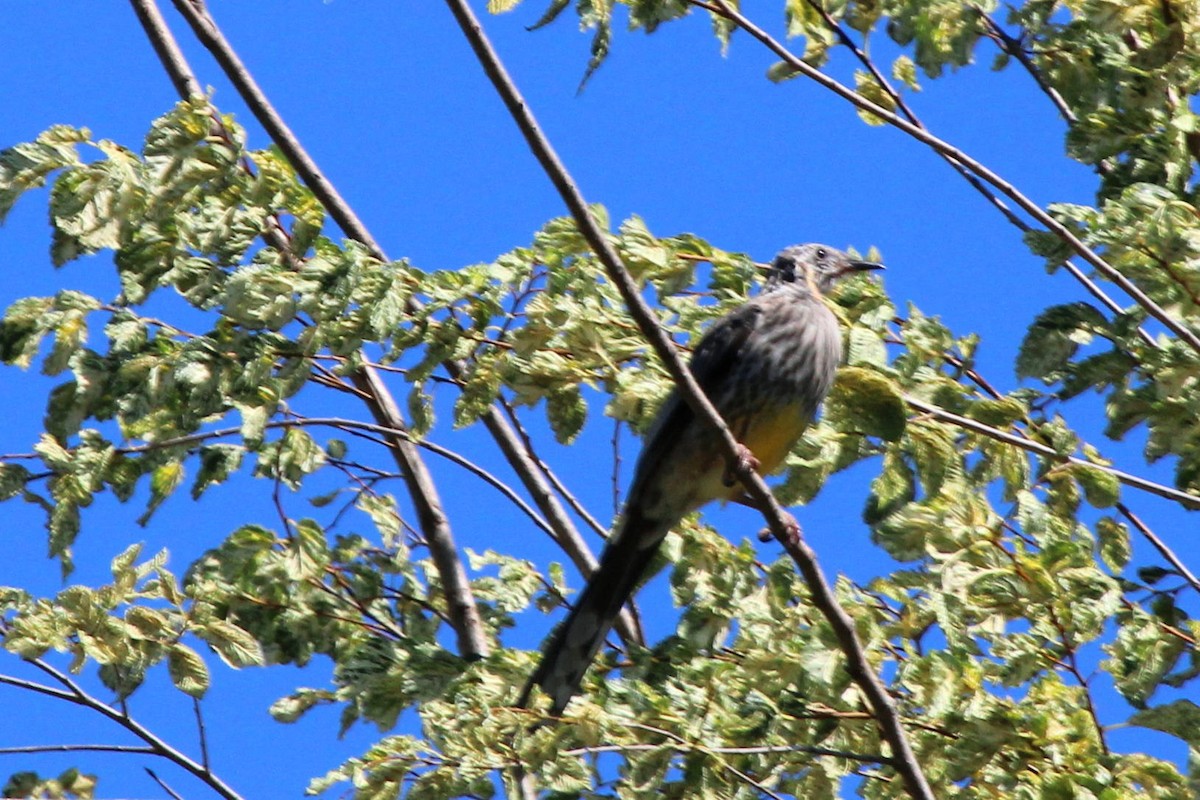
(766, 366)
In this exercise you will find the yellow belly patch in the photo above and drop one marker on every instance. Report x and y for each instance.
(772, 434)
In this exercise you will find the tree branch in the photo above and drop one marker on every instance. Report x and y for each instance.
(76, 695)
(1160, 546)
(564, 532)
(1084, 280)
(725, 10)
(460, 601)
(1183, 498)
(843, 627)
(78, 748)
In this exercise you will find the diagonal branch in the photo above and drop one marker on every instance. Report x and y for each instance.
(842, 625)
(723, 9)
(564, 531)
(1082, 278)
(1160, 546)
(73, 693)
(460, 601)
(1137, 482)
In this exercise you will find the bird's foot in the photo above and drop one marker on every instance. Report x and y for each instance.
(745, 461)
(792, 528)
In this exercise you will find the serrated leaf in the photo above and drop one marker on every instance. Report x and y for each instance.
(1113, 542)
(1053, 339)
(864, 401)
(236, 646)
(1180, 718)
(567, 412)
(1101, 487)
(188, 671)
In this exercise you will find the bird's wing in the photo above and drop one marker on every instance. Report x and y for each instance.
(711, 363)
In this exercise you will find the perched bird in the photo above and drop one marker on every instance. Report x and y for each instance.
(765, 366)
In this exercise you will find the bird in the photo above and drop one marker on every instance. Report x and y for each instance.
(765, 366)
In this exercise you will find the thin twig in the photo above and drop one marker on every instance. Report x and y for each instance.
(1013, 47)
(1084, 280)
(201, 733)
(1183, 498)
(1007, 189)
(842, 625)
(1160, 546)
(734, 751)
(174, 795)
(78, 748)
(75, 694)
(555, 481)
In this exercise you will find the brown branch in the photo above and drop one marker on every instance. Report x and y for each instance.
(73, 693)
(1160, 546)
(1013, 47)
(1004, 187)
(472, 641)
(206, 30)
(1088, 284)
(823, 598)
(1183, 498)
(564, 532)
(78, 748)
(167, 48)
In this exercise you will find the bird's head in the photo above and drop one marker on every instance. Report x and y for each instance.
(816, 266)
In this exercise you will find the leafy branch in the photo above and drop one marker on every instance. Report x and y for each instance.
(823, 598)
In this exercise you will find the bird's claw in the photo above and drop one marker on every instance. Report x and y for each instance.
(745, 461)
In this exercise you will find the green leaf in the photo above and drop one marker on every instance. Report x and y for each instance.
(1114, 544)
(1054, 338)
(217, 463)
(236, 647)
(1101, 487)
(188, 670)
(567, 412)
(781, 71)
(165, 479)
(864, 401)
(892, 489)
(1180, 718)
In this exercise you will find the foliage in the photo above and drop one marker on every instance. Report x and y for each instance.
(1013, 561)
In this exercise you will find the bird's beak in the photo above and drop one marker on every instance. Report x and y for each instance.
(865, 266)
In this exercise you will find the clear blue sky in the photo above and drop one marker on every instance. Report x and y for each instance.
(393, 106)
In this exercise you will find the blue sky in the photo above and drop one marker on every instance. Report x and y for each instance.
(393, 106)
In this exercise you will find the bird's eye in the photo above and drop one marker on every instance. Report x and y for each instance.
(821, 253)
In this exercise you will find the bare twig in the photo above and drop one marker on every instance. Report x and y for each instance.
(1014, 47)
(201, 733)
(843, 627)
(724, 9)
(78, 748)
(73, 693)
(174, 795)
(871, 758)
(167, 48)
(1160, 546)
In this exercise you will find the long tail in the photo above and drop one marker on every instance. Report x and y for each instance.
(570, 650)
